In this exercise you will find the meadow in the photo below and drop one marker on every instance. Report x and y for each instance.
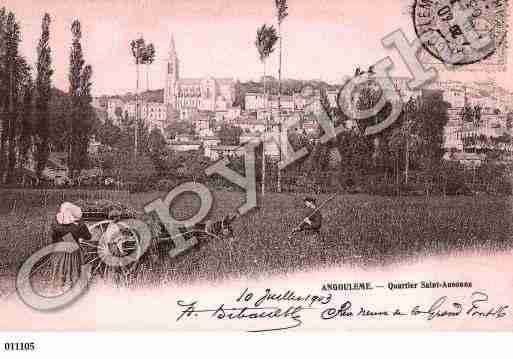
(359, 230)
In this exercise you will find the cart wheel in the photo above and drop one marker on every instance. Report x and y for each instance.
(114, 250)
(46, 278)
(55, 273)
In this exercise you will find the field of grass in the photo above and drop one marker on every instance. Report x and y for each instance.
(358, 230)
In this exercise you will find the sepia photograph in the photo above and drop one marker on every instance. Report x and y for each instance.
(244, 166)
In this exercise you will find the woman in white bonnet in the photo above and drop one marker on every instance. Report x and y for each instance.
(68, 220)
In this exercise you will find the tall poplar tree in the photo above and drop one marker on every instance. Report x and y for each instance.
(3, 91)
(76, 64)
(81, 114)
(26, 123)
(43, 88)
(15, 71)
(281, 14)
(138, 48)
(265, 41)
(87, 115)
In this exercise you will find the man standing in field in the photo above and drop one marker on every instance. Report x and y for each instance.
(312, 223)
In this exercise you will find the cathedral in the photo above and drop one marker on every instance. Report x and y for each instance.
(187, 95)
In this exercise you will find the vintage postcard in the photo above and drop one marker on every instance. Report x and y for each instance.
(255, 166)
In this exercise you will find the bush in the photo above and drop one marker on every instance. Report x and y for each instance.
(355, 190)
(166, 185)
(135, 187)
(392, 189)
(503, 186)
(382, 189)
(452, 176)
(456, 186)
(140, 170)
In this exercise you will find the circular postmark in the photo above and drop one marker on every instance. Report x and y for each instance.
(460, 32)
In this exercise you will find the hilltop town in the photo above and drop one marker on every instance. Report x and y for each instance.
(480, 113)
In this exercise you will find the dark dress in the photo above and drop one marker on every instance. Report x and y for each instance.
(66, 266)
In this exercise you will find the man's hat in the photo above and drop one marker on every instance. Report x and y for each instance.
(310, 199)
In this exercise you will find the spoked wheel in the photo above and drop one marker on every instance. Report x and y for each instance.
(114, 250)
(48, 276)
(55, 272)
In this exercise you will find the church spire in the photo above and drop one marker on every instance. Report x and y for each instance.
(172, 50)
(173, 69)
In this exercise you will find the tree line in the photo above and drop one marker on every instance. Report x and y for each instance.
(414, 142)
(35, 117)
(407, 156)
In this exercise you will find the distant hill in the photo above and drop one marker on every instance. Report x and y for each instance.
(289, 86)
(149, 96)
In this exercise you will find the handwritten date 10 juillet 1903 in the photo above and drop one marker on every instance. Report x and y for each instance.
(285, 310)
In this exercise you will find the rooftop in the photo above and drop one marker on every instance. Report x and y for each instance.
(227, 148)
(185, 143)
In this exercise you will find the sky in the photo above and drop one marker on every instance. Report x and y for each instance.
(322, 39)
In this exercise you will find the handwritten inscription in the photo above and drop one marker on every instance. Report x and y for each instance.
(284, 307)
(285, 310)
(480, 308)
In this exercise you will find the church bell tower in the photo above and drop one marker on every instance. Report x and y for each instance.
(172, 76)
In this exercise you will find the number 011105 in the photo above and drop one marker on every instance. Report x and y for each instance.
(19, 346)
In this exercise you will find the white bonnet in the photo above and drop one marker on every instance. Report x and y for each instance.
(68, 213)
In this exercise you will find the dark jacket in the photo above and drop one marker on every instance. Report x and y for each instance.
(316, 219)
(77, 230)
